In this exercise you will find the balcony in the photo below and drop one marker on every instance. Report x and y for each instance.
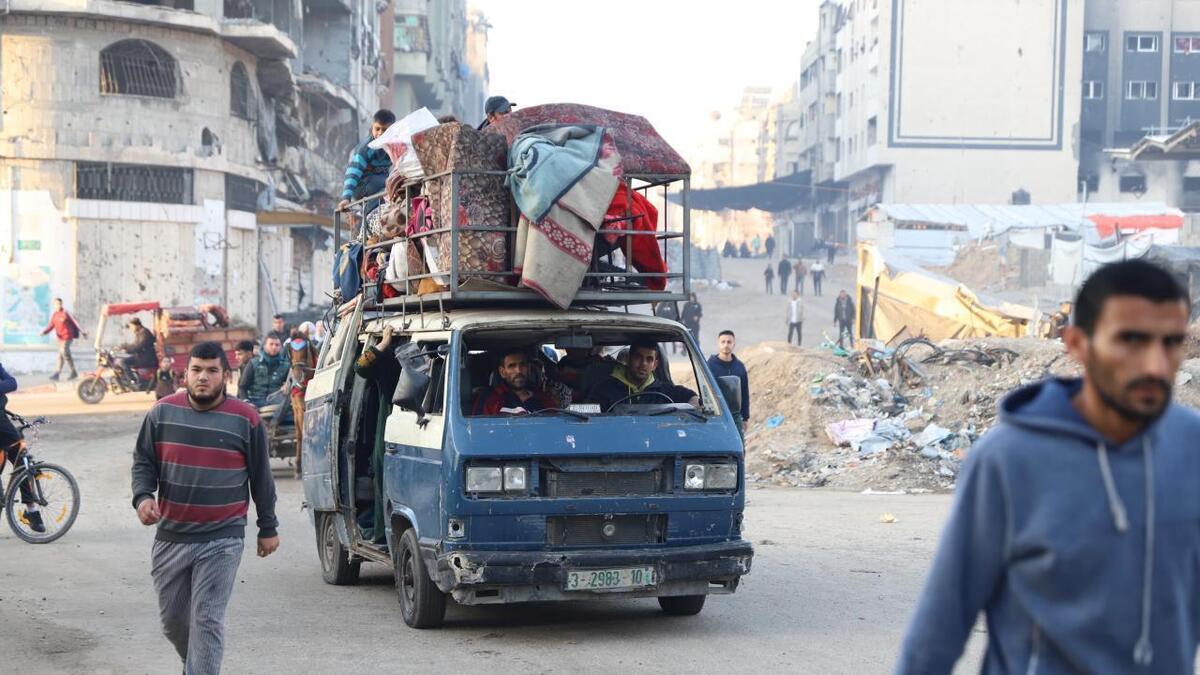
(311, 83)
(260, 27)
(149, 14)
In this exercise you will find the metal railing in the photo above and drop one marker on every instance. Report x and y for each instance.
(605, 282)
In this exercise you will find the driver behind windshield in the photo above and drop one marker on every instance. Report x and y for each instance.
(516, 393)
(634, 382)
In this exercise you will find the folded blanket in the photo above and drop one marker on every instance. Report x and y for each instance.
(552, 254)
(546, 162)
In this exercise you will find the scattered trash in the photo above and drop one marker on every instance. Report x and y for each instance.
(774, 421)
(870, 491)
(932, 434)
(887, 518)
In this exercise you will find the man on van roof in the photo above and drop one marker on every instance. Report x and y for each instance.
(634, 381)
(515, 394)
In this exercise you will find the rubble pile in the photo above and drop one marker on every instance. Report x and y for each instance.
(981, 267)
(886, 419)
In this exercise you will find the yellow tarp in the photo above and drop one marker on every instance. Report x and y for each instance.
(913, 301)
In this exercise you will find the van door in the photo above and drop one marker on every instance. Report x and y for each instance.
(323, 412)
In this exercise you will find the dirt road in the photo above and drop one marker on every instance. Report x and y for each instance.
(758, 317)
(830, 592)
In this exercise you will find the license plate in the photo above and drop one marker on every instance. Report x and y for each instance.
(611, 579)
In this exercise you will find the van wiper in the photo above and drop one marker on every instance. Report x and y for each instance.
(564, 411)
(693, 413)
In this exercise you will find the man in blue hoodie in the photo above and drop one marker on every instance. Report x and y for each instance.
(1076, 523)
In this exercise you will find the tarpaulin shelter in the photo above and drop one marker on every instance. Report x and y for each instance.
(781, 194)
(898, 299)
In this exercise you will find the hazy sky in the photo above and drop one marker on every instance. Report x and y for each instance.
(672, 61)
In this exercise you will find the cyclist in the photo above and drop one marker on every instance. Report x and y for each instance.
(10, 442)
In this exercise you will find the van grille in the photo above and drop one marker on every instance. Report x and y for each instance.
(603, 483)
(590, 530)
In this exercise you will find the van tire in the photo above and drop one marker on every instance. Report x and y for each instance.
(422, 604)
(336, 567)
(682, 605)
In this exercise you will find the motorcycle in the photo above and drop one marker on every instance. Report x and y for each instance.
(110, 374)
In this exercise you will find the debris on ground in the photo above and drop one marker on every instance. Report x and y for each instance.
(889, 419)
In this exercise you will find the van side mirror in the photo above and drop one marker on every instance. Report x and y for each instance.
(731, 389)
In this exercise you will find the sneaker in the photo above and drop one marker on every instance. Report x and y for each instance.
(34, 518)
(54, 377)
(74, 376)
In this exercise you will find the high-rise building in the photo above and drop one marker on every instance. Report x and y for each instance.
(1141, 102)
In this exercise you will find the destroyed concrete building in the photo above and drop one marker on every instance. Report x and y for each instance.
(184, 151)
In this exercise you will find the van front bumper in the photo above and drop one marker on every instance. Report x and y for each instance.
(486, 577)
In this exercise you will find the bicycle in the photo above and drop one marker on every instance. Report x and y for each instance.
(50, 486)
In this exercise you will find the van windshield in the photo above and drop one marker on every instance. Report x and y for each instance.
(583, 372)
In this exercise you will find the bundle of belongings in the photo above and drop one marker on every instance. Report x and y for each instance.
(563, 179)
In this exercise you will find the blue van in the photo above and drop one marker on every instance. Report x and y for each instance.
(416, 456)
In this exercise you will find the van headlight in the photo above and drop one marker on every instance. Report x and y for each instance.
(710, 476)
(507, 478)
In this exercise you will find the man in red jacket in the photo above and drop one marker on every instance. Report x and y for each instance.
(67, 330)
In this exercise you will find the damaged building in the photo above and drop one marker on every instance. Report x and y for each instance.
(183, 151)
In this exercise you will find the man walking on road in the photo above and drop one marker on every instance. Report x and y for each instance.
(203, 454)
(725, 362)
(843, 316)
(818, 274)
(784, 271)
(795, 317)
(66, 330)
(798, 272)
(1073, 525)
(769, 277)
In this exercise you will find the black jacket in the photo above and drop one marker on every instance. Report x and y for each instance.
(843, 311)
(720, 368)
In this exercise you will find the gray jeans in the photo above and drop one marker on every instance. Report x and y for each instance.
(64, 356)
(194, 583)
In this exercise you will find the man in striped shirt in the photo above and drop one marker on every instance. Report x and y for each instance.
(204, 455)
(367, 171)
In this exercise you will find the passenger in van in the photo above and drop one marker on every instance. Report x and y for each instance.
(634, 382)
(516, 393)
(581, 369)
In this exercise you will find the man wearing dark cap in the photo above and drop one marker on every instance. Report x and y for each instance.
(139, 351)
(495, 108)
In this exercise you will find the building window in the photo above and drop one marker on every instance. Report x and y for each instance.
(872, 131)
(1187, 45)
(241, 93)
(1095, 42)
(1186, 91)
(1133, 185)
(133, 183)
(241, 194)
(1141, 43)
(1191, 183)
(1141, 90)
(1093, 89)
(138, 68)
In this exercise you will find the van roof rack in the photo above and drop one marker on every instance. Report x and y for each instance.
(609, 280)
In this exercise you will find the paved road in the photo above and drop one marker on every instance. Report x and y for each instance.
(830, 592)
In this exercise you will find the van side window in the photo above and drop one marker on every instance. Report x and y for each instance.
(435, 397)
(336, 342)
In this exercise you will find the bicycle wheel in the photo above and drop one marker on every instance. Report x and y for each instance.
(57, 487)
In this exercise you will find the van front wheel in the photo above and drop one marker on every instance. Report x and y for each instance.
(682, 605)
(421, 603)
(336, 567)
